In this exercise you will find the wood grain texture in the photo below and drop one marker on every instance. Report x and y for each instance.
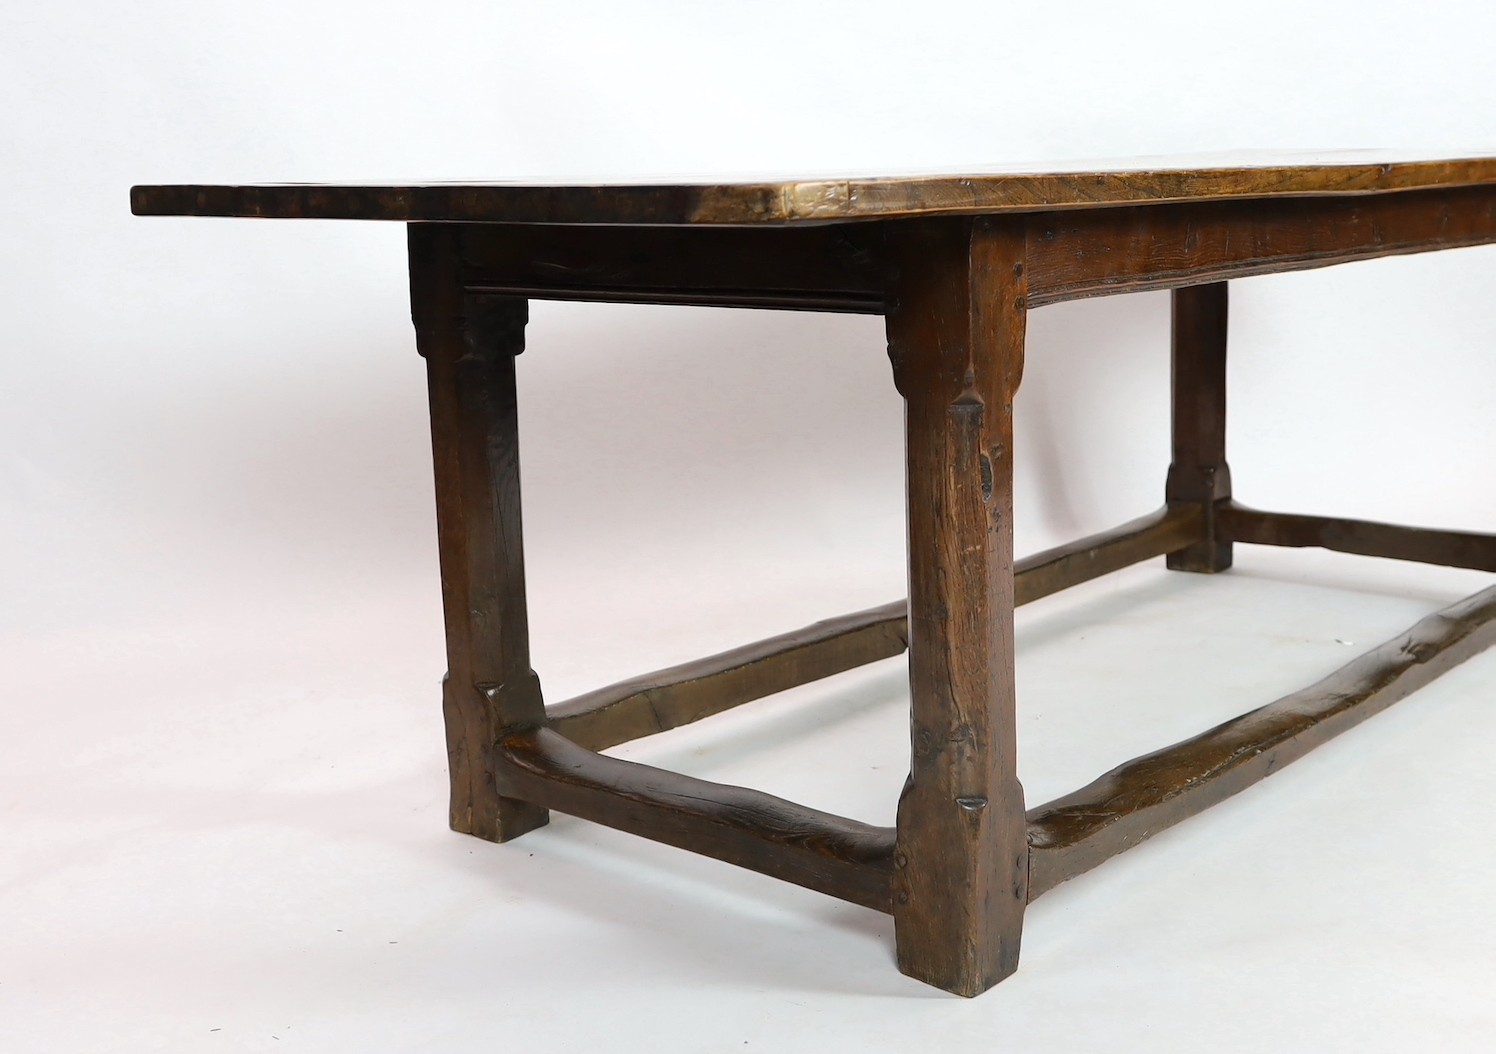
(469, 344)
(955, 336)
(1198, 473)
(955, 262)
(1105, 251)
(1360, 537)
(1054, 570)
(679, 695)
(1137, 800)
(836, 856)
(998, 188)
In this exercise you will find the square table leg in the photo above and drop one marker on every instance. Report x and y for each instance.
(955, 331)
(1199, 474)
(470, 342)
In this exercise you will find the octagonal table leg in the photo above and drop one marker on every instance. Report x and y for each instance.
(956, 330)
(470, 342)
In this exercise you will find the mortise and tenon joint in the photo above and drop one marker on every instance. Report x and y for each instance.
(955, 264)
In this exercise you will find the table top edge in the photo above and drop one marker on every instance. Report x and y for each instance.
(781, 202)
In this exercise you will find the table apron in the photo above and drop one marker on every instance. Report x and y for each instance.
(1070, 253)
(828, 268)
(1097, 252)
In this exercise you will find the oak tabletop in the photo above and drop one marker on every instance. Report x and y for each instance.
(765, 201)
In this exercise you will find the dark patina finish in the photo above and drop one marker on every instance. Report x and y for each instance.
(954, 263)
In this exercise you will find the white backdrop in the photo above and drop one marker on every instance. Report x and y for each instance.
(221, 772)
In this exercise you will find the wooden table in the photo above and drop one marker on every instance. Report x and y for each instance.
(954, 264)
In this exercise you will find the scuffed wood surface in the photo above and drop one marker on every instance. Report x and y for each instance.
(843, 858)
(1104, 252)
(654, 702)
(956, 338)
(1142, 797)
(1054, 570)
(1360, 537)
(998, 188)
(469, 344)
(668, 698)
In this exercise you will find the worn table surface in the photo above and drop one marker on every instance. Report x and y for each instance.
(999, 188)
(967, 853)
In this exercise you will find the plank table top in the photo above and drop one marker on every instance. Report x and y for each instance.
(954, 263)
(994, 189)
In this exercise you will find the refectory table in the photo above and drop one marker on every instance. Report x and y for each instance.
(954, 263)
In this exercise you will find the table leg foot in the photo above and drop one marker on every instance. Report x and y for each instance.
(477, 807)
